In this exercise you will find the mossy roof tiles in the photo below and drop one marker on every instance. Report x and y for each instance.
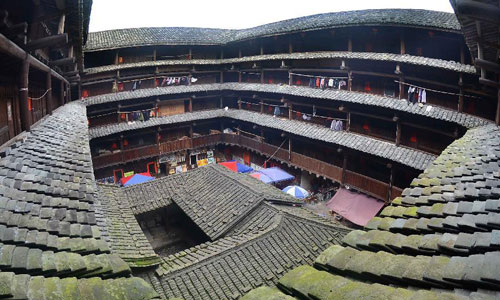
(48, 220)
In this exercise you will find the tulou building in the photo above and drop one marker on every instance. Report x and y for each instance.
(398, 107)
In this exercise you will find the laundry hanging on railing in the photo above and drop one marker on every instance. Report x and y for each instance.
(337, 125)
(139, 115)
(327, 82)
(416, 94)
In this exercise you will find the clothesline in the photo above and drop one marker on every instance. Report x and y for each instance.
(295, 111)
(314, 76)
(249, 133)
(265, 162)
(38, 98)
(318, 116)
(103, 115)
(435, 91)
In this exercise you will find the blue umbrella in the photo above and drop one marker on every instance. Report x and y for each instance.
(296, 191)
(138, 178)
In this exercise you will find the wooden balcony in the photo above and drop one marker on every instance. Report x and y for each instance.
(373, 187)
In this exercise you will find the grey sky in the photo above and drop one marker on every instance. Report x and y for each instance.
(114, 14)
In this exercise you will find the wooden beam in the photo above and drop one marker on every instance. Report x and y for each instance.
(14, 30)
(479, 11)
(402, 45)
(62, 62)
(71, 73)
(488, 65)
(53, 41)
(8, 47)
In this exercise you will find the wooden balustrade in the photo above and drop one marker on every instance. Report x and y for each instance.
(363, 183)
(367, 184)
(396, 192)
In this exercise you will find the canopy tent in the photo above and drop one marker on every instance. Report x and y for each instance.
(355, 207)
(136, 179)
(296, 191)
(236, 166)
(272, 175)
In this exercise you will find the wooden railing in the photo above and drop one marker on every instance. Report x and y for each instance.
(373, 187)
(367, 184)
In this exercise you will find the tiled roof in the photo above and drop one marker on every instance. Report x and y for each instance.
(134, 37)
(232, 266)
(397, 105)
(213, 197)
(121, 229)
(489, 32)
(386, 57)
(440, 235)
(49, 238)
(406, 156)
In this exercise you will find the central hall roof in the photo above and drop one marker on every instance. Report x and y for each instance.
(134, 37)
(213, 197)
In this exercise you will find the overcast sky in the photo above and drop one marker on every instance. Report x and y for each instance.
(114, 14)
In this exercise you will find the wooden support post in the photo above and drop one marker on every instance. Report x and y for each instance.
(398, 132)
(401, 86)
(48, 101)
(221, 53)
(262, 76)
(261, 49)
(348, 125)
(221, 76)
(290, 46)
(190, 105)
(118, 113)
(349, 80)
(154, 54)
(349, 44)
(402, 44)
(24, 105)
(239, 76)
(261, 107)
(190, 56)
(61, 96)
(290, 111)
(62, 21)
(239, 102)
(462, 55)
(461, 94)
(239, 53)
(121, 142)
(117, 57)
(290, 78)
(391, 183)
(497, 118)
(344, 168)
(79, 89)
(289, 148)
(191, 131)
(221, 103)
